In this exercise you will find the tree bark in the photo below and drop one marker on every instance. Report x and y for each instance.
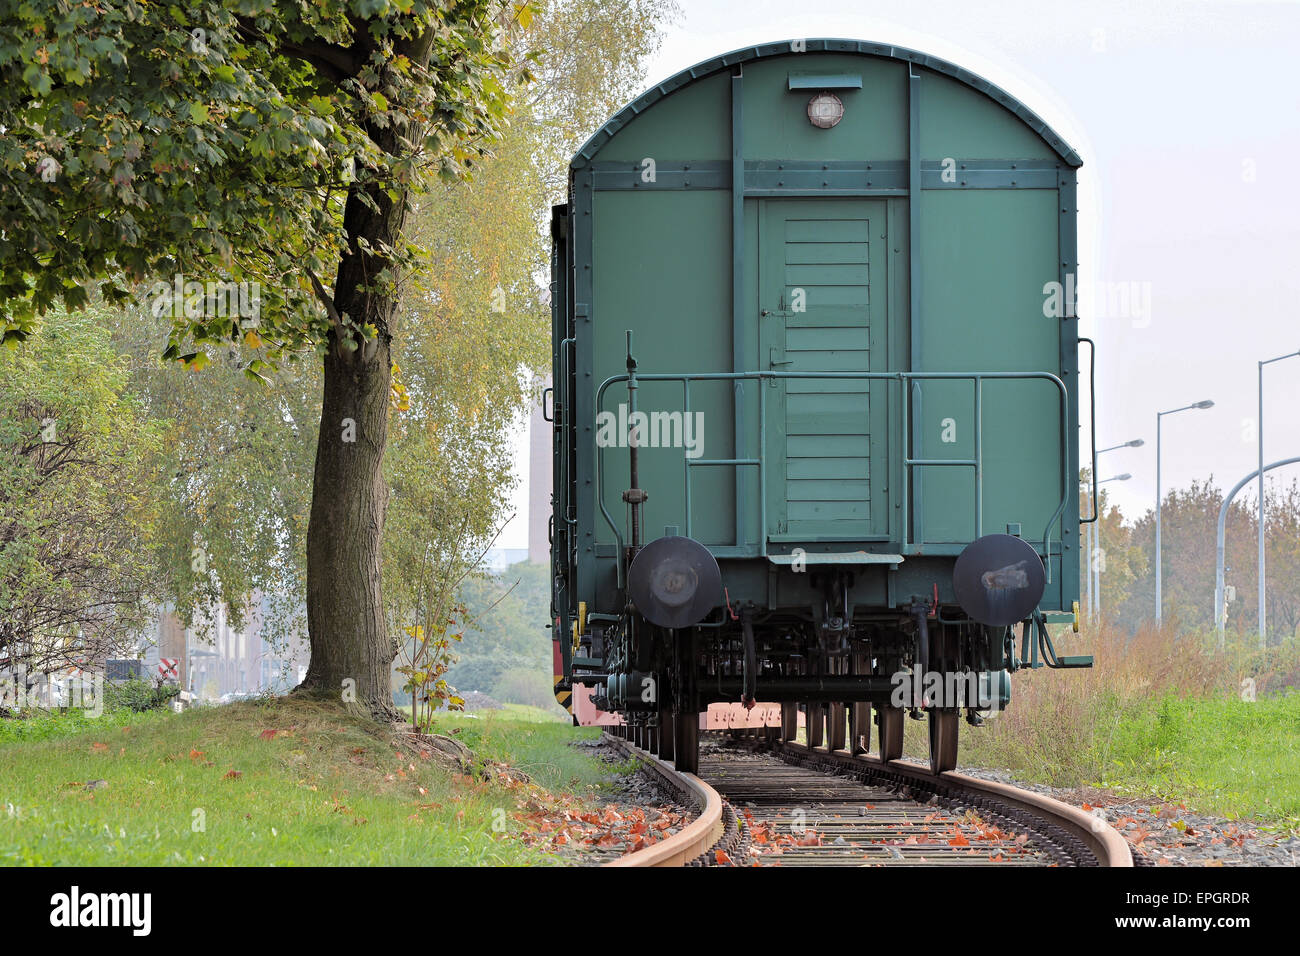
(352, 649)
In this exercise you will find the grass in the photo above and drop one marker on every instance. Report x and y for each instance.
(1160, 715)
(1225, 755)
(276, 782)
(534, 744)
(57, 726)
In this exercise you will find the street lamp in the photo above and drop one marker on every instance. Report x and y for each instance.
(1094, 566)
(1259, 433)
(1135, 443)
(1160, 494)
(1220, 610)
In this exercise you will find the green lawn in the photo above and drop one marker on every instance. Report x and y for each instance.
(1222, 755)
(1219, 755)
(281, 782)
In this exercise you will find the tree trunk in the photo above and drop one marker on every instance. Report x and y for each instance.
(352, 649)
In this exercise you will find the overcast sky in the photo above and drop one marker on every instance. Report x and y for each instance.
(1187, 116)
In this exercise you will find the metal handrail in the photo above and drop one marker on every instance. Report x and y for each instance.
(904, 379)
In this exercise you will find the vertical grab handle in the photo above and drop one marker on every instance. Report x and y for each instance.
(1092, 421)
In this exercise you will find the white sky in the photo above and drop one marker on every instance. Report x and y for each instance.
(1187, 115)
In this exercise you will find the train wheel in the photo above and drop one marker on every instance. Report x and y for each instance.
(943, 739)
(835, 728)
(814, 722)
(859, 728)
(666, 734)
(686, 705)
(789, 722)
(686, 748)
(891, 732)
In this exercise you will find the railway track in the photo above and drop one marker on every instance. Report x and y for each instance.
(771, 804)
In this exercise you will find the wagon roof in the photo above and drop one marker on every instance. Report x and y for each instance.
(782, 48)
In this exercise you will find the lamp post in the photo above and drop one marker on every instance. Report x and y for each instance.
(1220, 611)
(1259, 434)
(1160, 496)
(1094, 582)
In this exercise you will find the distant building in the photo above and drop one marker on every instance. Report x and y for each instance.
(216, 660)
(498, 559)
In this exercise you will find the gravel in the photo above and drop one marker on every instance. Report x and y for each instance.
(1169, 834)
(638, 801)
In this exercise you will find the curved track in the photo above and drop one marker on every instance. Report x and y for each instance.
(764, 803)
(697, 837)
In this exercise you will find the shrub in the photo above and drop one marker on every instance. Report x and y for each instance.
(138, 695)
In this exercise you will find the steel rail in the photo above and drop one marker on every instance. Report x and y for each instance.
(709, 830)
(1103, 840)
(696, 838)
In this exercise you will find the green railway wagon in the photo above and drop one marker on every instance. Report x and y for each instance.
(815, 409)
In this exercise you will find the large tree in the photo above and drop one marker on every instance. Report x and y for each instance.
(273, 145)
(474, 336)
(239, 460)
(82, 481)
